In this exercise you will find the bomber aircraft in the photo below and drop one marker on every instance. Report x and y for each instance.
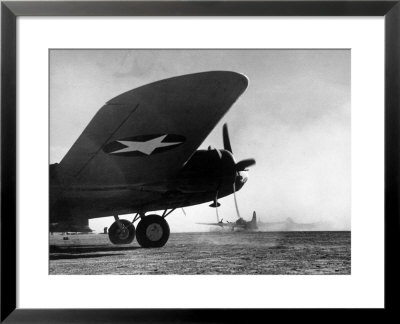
(139, 154)
(240, 223)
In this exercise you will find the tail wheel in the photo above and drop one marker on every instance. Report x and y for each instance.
(124, 235)
(152, 231)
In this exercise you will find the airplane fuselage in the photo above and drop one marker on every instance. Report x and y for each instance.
(206, 173)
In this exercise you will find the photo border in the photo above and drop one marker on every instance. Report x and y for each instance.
(11, 10)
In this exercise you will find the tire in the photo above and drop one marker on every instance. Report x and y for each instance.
(117, 237)
(152, 231)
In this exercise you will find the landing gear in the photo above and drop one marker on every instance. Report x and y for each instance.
(152, 231)
(121, 231)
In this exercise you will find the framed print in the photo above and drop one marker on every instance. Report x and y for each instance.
(124, 122)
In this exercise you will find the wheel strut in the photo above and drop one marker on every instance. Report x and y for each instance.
(165, 213)
(137, 216)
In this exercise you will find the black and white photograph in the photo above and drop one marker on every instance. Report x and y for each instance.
(200, 161)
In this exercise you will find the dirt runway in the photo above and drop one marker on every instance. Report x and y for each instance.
(206, 253)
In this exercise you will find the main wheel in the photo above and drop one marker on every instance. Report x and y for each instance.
(152, 231)
(124, 236)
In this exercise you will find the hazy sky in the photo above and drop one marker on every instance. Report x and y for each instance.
(294, 119)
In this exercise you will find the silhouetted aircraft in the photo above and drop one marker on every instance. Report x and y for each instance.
(139, 154)
(240, 223)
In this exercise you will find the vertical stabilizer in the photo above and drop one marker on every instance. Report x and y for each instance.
(253, 222)
(254, 219)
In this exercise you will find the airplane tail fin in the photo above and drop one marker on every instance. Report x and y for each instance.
(254, 221)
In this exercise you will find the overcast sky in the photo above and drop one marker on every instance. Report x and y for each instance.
(294, 119)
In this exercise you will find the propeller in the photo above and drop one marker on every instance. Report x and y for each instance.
(244, 164)
(225, 137)
(240, 166)
(236, 204)
(216, 204)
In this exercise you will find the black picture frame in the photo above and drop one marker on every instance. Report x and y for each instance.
(10, 10)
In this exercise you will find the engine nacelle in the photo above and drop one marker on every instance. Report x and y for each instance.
(207, 170)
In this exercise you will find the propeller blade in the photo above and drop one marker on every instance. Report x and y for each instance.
(225, 136)
(218, 151)
(236, 204)
(216, 205)
(244, 164)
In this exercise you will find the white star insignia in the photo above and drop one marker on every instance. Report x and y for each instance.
(145, 147)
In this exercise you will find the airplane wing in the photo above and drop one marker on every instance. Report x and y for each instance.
(147, 134)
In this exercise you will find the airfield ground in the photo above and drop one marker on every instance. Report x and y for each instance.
(206, 253)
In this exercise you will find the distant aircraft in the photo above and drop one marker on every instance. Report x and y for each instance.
(139, 154)
(240, 223)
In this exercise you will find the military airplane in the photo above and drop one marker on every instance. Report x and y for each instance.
(139, 154)
(240, 223)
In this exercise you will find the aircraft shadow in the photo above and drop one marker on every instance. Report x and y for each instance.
(77, 249)
(80, 256)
